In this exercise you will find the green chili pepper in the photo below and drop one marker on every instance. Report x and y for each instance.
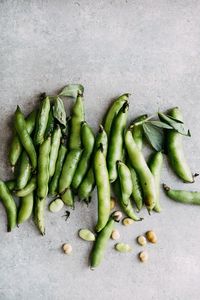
(25, 139)
(77, 118)
(43, 168)
(42, 120)
(9, 204)
(26, 207)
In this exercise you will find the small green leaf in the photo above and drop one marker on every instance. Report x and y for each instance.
(59, 111)
(154, 135)
(176, 124)
(160, 124)
(72, 90)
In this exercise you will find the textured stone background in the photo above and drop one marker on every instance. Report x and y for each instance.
(148, 48)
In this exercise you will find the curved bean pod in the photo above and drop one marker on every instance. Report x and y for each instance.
(88, 139)
(77, 118)
(155, 166)
(55, 144)
(137, 131)
(113, 111)
(175, 150)
(137, 190)
(68, 198)
(115, 149)
(125, 180)
(182, 196)
(30, 187)
(39, 214)
(103, 188)
(43, 168)
(68, 170)
(25, 209)
(127, 208)
(16, 146)
(25, 139)
(53, 187)
(101, 243)
(88, 183)
(139, 164)
(10, 185)
(42, 120)
(24, 171)
(10, 206)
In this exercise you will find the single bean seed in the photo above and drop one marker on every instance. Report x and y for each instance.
(115, 235)
(151, 236)
(122, 247)
(56, 205)
(127, 221)
(112, 203)
(143, 256)
(141, 240)
(67, 249)
(86, 235)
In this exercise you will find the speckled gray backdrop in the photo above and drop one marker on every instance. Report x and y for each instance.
(148, 48)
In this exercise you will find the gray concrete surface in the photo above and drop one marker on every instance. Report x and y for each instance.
(148, 48)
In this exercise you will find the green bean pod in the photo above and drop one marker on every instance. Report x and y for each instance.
(137, 131)
(113, 111)
(116, 141)
(182, 196)
(68, 170)
(42, 121)
(39, 214)
(68, 197)
(125, 180)
(88, 183)
(43, 168)
(10, 206)
(103, 188)
(126, 207)
(10, 185)
(16, 146)
(25, 139)
(30, 187)
(175, 150)
(139, 164)
(137, 190)
(24, 171)
(50, 124)
(55, 144)
(53, 187)
(88, 139)
(77, 118)
(100, 243)
(155, 166)
(25, 209)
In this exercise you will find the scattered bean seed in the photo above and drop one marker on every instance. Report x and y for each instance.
(151, 236)
(86, 235)
(56, 205)
(141, 240)
(117, 215)
(127, 221)
(115, 235)
(67, 249)
(121, 247)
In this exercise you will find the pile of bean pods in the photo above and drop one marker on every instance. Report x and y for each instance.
(52, 154)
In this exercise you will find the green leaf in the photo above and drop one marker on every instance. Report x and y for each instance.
(175, 124)
(59, 111)
(154, 135)
(72, 90)
(160, 124)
